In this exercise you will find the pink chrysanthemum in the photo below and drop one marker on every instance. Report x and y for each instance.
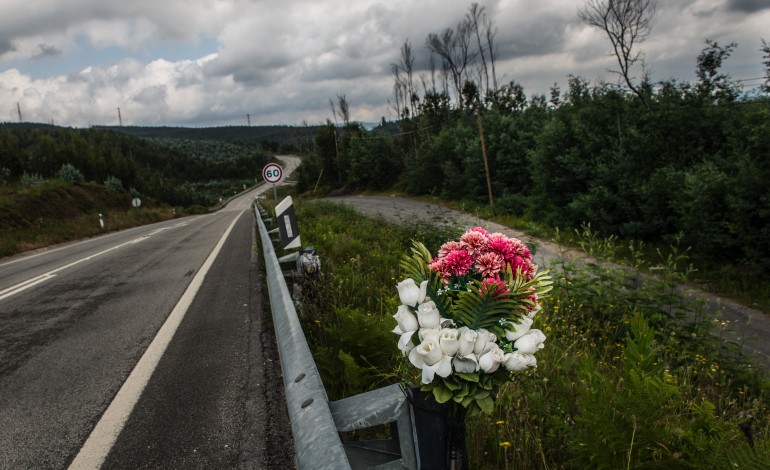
(437, 265)
(528, 268)
(490, 264)
(480, 230)
(503, 247)
(458, 262)
(520, 248)
(449, 247)
(474, 241)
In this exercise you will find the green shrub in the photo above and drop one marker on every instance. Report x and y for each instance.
(70, 174)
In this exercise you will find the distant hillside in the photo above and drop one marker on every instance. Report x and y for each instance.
(255, 134)
(57, 211)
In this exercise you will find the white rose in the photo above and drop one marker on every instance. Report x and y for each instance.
(428, 315)
(531, 342)
(406, 320)
(466, 364)
(490, 361)
(429, 333)
(405, 342)
(428, 352)
(517, 330)
(410, 293)
(449, 341)
(517, 361)
(429, 357)
(467, 340)
(485, 341)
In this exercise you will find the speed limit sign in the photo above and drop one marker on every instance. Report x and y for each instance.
(272, 173)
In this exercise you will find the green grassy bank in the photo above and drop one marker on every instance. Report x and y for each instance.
(630, 377)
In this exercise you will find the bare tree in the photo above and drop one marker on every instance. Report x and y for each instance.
(399, 92)
(475, 17)
(626, 23)
(454, 48)
(344, 108)
(407, 65)
(765, 49)
(334, 111)
(491, 32)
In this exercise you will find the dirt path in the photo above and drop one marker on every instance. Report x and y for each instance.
(746, 326)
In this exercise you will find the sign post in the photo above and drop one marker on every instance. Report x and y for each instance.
(136, 202)
(273, 173)
(287, 224)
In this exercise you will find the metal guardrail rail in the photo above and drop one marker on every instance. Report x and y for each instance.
(315, 435)
(316, 422)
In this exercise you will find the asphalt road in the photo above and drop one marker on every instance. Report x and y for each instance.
(746, 327)
(76, 320)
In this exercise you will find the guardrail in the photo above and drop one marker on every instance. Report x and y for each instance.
(316, 422)
(315, 433)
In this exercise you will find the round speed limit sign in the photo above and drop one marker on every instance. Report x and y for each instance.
(272, 173)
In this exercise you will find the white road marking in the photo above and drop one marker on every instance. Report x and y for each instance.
(103, 437)
(24, 285)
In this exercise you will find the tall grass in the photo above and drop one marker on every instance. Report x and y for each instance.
(631, 376)
(50, 232)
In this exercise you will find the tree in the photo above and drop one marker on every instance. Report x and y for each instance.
(407, 65)
(711, 83)
(475, 17)
(344, 108)
(626, 23)
(454, 48)
(765, 49)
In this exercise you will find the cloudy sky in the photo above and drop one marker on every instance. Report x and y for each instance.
(213, 62)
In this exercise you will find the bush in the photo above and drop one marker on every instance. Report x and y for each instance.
(70, 174)
(114, 183)
(31, 179)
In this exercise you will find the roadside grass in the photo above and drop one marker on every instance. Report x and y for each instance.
(55, 211)
(47, 233)
(630, 376)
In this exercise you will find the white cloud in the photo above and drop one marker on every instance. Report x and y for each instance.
(281, 61)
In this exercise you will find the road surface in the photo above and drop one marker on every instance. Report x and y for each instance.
(146, 348)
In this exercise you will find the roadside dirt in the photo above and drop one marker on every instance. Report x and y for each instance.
(748, 327)
(267, 440)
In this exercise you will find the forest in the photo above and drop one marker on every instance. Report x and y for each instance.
(173, 171)
(654, 162)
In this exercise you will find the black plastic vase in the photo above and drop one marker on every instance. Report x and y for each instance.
(439, 432)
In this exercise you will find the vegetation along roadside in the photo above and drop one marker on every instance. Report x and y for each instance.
(623, 383)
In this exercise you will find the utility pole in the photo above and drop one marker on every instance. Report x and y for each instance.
(120, 118)
(248, 119)
(18, 108)
(484, 152)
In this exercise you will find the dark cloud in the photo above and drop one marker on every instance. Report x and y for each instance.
(6, 46)
(46, 51)
(747, 6)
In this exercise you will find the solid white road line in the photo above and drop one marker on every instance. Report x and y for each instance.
(103, 437)
(24, 285)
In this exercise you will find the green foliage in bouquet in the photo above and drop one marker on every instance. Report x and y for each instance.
(490, 308)
(478, 306)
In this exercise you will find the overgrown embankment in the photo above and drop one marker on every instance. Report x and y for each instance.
(55, 211)
(631, 376)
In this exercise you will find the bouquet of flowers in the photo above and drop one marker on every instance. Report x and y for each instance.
(466, 316)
